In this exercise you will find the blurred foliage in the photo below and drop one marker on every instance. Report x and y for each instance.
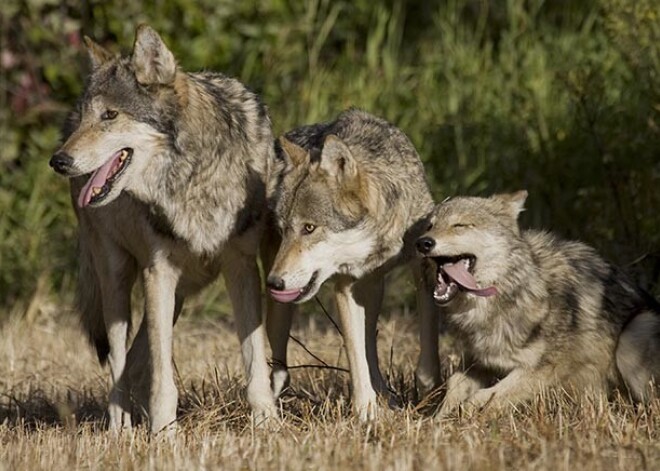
(561, 98)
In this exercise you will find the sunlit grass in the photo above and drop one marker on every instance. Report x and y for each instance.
(54, 396)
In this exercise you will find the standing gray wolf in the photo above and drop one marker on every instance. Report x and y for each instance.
(533, 311)
(350, 199)
(168, 177)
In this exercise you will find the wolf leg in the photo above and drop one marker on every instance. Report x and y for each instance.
(244, 287)
(138, 362)
(462, 385)
(637, 355)
(278, 325)
(427, 374)
(278, 321)
(518, 386)
(370, 292)
(116, 270)
(353, 326)
(160, 281)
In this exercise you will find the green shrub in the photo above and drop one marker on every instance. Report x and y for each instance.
(561, 98)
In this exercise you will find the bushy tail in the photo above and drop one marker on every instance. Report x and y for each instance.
(89, 302)
(637, 355)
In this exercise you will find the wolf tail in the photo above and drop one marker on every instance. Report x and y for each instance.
(90, 302)
(637, 354)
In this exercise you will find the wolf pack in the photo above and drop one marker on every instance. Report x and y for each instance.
(176, 177)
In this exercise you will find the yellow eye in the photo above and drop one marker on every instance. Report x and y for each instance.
(108, 115)
(309, 228)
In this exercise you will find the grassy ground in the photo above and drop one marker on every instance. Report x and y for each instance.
(51, 413)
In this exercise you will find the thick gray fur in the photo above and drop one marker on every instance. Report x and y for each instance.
(190, 204)
(562, 315)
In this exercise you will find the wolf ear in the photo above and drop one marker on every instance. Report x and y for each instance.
(98, 55)
(152, 60)
(337, 159)
(514, 203)
(295, 154)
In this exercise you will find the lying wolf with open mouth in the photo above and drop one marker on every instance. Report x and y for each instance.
(168, 177)
(351, 198)
(534, 311)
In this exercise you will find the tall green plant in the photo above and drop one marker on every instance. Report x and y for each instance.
(561, 98)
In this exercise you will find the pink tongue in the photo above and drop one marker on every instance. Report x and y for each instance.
(459, 273)
(97, 180)
(285, 296)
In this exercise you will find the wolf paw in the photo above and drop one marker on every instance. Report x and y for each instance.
(367, 409)
(279, 381)
(426, 383)
(267, 418)
(264, 412)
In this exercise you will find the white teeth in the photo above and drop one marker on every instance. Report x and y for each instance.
(96, 191)
(124, 154)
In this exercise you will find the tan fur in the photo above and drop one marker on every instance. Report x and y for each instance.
(562, 316)
(350, 197)
(190, 203)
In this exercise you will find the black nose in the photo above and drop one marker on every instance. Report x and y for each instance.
(275, 282)
(61, 162)
(425, 245)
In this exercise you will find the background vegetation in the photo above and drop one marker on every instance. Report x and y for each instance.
(559, 97)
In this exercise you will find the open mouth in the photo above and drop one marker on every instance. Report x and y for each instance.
(100, 183)
(291, 295)
(455, 274)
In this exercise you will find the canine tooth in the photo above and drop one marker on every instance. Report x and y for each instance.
(123, 155)
(96, 190)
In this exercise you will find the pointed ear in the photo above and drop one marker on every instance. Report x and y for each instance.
(98, 55)
(514, 203)
(152, 60)
(294, 154)
(337, 159)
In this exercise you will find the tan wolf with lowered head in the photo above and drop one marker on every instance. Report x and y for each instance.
(532, 310)
(168, 177)
(350, 198)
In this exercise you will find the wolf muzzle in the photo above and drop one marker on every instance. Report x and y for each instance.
(275, 282)
(425, 245)
(61, 162)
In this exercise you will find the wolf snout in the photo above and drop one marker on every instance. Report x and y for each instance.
(275, 282)
(425, 244)
(61, 162)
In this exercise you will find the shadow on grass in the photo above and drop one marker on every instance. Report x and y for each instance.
(38, 409)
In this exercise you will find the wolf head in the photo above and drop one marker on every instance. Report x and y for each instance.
(470, 240)
(321, 209)
(123, 119)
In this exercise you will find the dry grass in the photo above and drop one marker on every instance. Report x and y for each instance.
(53, 397)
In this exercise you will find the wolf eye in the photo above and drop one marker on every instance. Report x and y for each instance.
(456, 226)
(108, 115)
(308, 228)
